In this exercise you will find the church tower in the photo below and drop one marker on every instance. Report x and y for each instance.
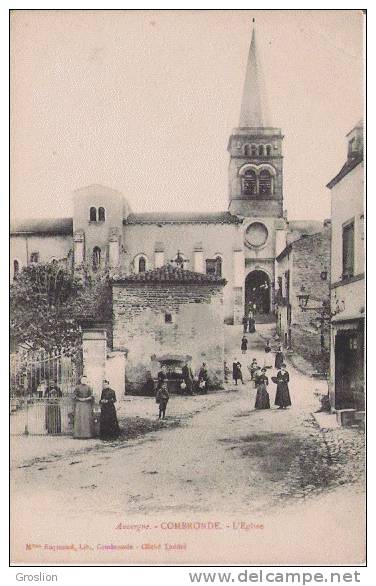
(255, 147)
(256, 195)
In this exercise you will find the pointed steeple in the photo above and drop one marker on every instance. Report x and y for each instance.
(253, 111)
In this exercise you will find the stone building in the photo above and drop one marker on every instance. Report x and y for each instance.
(168, 310)
(347, 278)
(303, 267)
(239, 244)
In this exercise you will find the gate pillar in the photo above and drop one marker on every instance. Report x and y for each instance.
(94, 350)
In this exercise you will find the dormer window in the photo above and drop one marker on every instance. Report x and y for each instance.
(352, 147)
(93, 214)
(101, 214)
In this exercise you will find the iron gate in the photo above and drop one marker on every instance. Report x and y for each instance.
(32, 411)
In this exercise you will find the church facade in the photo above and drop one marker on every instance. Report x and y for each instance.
(239, 244)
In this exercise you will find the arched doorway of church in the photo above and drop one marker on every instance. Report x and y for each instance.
(257, 293)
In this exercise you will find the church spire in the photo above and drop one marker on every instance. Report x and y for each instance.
(253, 111)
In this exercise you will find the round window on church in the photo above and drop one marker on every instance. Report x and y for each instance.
(256, 235)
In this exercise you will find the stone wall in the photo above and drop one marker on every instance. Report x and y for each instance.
(196, 327)
(306, 260)
(311, 258)
(212, 239)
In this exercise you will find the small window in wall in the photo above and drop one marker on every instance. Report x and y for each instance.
(96, 258)
(168, 318)
(361, 227)
(247, 150)
(214, 266)
(348, 251)
(101, 215)
(353, 343)
(261, 150)
(268, 150)
(34, 257)
(142, 265)
(16, 268)
(253, 150)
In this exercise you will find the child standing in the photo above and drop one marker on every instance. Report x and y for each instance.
(162, 399)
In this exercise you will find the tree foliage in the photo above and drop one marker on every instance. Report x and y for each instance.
(48, 303)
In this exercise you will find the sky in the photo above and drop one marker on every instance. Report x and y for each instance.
(145, 102)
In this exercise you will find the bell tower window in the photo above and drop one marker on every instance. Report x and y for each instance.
(265, 183)
(101, 215)
(93, 214)
(249, 183)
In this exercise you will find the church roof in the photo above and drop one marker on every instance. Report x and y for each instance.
(254, 111)
(183, 218)
(169, 273)
(53, 226)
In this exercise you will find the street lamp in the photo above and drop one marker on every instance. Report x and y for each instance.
(322, 310)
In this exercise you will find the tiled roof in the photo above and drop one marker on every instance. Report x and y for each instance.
(168, 273)
(183, 218)
(59, 226)
(347, 167)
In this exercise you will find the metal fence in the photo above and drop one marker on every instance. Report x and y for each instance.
(36, 416)
(32, 411)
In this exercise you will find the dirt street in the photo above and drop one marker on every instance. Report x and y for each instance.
(215, 457)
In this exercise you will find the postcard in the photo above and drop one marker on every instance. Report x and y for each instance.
(187, 299)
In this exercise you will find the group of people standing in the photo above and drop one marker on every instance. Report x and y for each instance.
(249, 323)
(261, 380)
(190, 384)
(83, 423)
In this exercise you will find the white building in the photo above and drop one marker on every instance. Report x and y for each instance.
(347, 278)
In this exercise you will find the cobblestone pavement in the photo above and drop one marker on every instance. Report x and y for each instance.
(216, 456)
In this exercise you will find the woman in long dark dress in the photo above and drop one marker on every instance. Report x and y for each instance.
(109, 426)
(83, 426)
(262, 395)
(53, 412)
(282, 397)
(251, 325)
(237, 371)
(244, 345)
(279, 358)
